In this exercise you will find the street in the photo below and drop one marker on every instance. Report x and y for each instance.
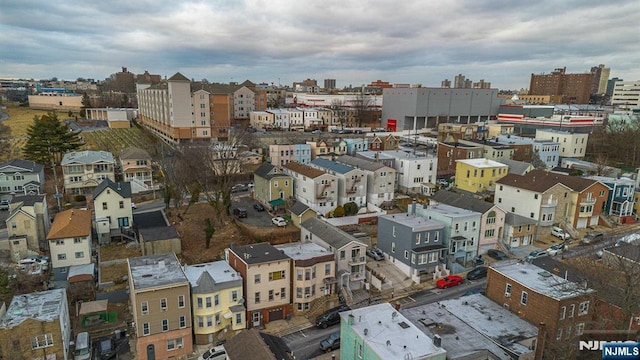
(305, 344)
(433, 295)
(610, 239)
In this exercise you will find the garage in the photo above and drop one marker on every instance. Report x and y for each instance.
(582, 223)
(276, 314)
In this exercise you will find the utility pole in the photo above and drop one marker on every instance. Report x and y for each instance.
(57, 195)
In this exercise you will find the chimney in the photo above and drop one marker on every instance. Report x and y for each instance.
(437, 340)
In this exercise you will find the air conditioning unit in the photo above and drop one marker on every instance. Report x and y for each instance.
(308, 295)
(180, 346)
(507, 295)
(218, 322)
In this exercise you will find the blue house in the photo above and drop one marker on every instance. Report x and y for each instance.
(356, 144)
(619, 203)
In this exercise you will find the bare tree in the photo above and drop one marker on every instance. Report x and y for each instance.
(362, 107)
(337, 105)
(601, 166)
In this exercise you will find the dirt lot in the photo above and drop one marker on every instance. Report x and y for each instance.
(118, 251)
(114, 273)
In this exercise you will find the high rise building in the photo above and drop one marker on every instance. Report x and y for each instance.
(459, 81)
(446, 83)
(329, 84)
(600, 78)
(573, 88)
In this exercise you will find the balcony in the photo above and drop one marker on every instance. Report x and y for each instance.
(357, 260)
(587, 201)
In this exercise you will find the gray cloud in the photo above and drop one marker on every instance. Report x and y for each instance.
(353, 41)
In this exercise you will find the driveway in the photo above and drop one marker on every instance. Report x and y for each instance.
(254, 217)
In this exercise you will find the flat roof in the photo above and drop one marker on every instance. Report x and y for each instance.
(303, 251)
(481, 163)
(449, 211)
(389, 334)
(155, 271)
(539, 280)
(416, 223)
(258, 253)
(220, 272)
(41, 306)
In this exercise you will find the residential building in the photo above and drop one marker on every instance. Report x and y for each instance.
(21, 177)
(255, 345)
(519, 230)
(81, 280)
(619, 203)
(412, 170)
(271, 183)
(526, 149)
(267, 285)
(296, 120)
(155, 235)
(419, 108)
(478, 328)
(572, 144)
(135, 164)
(36, 326)
(70, 241)
(356, 144)
(84, 170)
(587, 168)
(281, 119)
(479, 175)
(381, 179)
(300, 212)
(112, 206)
(414, 244)
(352, 182)
(540, 297)
(449, 152)
(518, 167)
(29, 220)
(460, 233)
(492, 222)
(552, 198)
(492, 150)
(327, 148)
(600, 78)
(574, 88)
(494, 130)
(349, 252)
(313, 187)
(379, 332)
(452, 132)
(262, 120)
(160, 301)
(314, 268)
(283, 154)
(626, 94)
(384, 143)
(217, 300)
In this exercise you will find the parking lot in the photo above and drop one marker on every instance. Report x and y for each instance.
(254, 217)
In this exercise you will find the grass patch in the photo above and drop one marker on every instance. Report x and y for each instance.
(118, 251)
(20, 118)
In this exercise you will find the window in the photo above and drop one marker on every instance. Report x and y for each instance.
(393, 231)
(299, 274)
(256, 278)
(104, 206)
(121, 204)
(216, 300)
(207, 302)
(145, 329)
(283, 293)
(393, 246)
(524, 297)
(327, 269)
(59, 242)
(277, 275)
(572, 310)
(180, 301)
(163, 304)
(563, 312)
(270, 295)
(209, 321)
(342, 255)
(77, 240)
(579, 329)
(507, 290)
(144, 307)
(199, 303)
(238, 318)
(42, 341)
(174, 344)
(584, 308)
(79, 254)
(217, 318)
(257, 297)
(299, 292)
(406, 254)
(183, 322)
(165, 325)
(418, 239)
(62, 256)
(234, 295)
(559, 334)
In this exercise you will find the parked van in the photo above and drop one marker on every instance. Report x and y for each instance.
(592, 237)
(83, 347)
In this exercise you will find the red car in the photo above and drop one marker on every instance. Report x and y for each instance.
(449, 281)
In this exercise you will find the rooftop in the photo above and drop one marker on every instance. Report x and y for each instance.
(156, 271)
(481, 163)
(449, 211)
(517, 167)
(541, 181)
(258, 253)
(304, 169)
(539, 280)
(70, 223)
(41, 306)
(328, 233)
(416, 223)
(133, 152)
(332, 165)
(361, 163)
(87, 157)
(298, 208)
(389, 334)
(122, 188)
(209, 277)
(158, 233)
(462, 201)
(515, 219)
(151, 219)
(303, 251)
(19, 165)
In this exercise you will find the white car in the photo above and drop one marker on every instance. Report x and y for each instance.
(279, 221)
(215, 353)
(559, 233)
(133, 205)
(556, 249)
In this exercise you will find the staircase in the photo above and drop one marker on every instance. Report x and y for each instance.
(138, 186)
(320, 305)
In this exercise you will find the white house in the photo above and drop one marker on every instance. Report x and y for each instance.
(313, 187)
(70, 241)
(280, 118)
(112, 206)
(571, 144)
(21, 177)
(84, 170)
(381, 179)
(352, 182)
(412, 170)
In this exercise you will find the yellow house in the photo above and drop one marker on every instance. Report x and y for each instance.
(217, 300)
(300, 213)
(478, 175)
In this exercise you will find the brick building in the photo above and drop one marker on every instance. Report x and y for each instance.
(574, 88)
(449, 152)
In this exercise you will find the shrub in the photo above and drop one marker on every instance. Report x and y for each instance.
(350, 208)
(79, 198)
(339, 211)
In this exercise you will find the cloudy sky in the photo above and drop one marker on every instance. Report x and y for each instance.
(354, 42)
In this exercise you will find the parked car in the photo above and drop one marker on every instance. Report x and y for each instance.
(536, 254)
(4, 205)
(331, 343)
(316, 132)
(239, 188)
(133, 205)
(560, 233)
(592, 237)
(240, 212)
(106, 348)
(330, 317)
(42, 260)
(449, 281)
(477, 273)
(556, 249)
(258, 207)
(279, 221)
(215, 353)
(376, 254)
(497, 254)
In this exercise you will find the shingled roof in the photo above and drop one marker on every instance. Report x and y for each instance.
(304, 169)
(71, 223)
(462, 201)
(541, 181)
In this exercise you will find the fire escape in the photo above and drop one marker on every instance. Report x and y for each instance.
(354, 185)
(322, 188)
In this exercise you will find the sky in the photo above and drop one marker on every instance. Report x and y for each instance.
(354, 42)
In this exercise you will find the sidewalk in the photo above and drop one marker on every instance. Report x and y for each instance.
(285, 327)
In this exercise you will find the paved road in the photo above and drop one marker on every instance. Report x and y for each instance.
(305, 344)
(433, 295)
(610, 239)
(254, 217)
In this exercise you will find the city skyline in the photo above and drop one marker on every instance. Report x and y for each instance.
(353, 42)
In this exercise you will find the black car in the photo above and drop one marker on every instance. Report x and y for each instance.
(258, 207)
(497, 254)
(240, 212)
(331, 343)
(477, 273)
(330, 317)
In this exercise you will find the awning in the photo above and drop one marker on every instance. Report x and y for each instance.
(227, 315)
(276, 202)
(91, 307)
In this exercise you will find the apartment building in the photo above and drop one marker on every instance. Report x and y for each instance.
(381, 179)
(282, 154)
(619, 204)
(525, 149)
(21, 177)
(262, 120)
(452, 132)
(572, 144)
(352, 182)
(70, 241)
(492, 150)
(412, 170)
(266, 272)
(83, 171)
(217, 300)
(160, 301)
(573, 88)
(28, 221)
(449, 152)
(479, 175)
(313, 187)
(327, 148)
(313, 270)
(281, 119)
(135, 164)
(626, 94)
(36, 326)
